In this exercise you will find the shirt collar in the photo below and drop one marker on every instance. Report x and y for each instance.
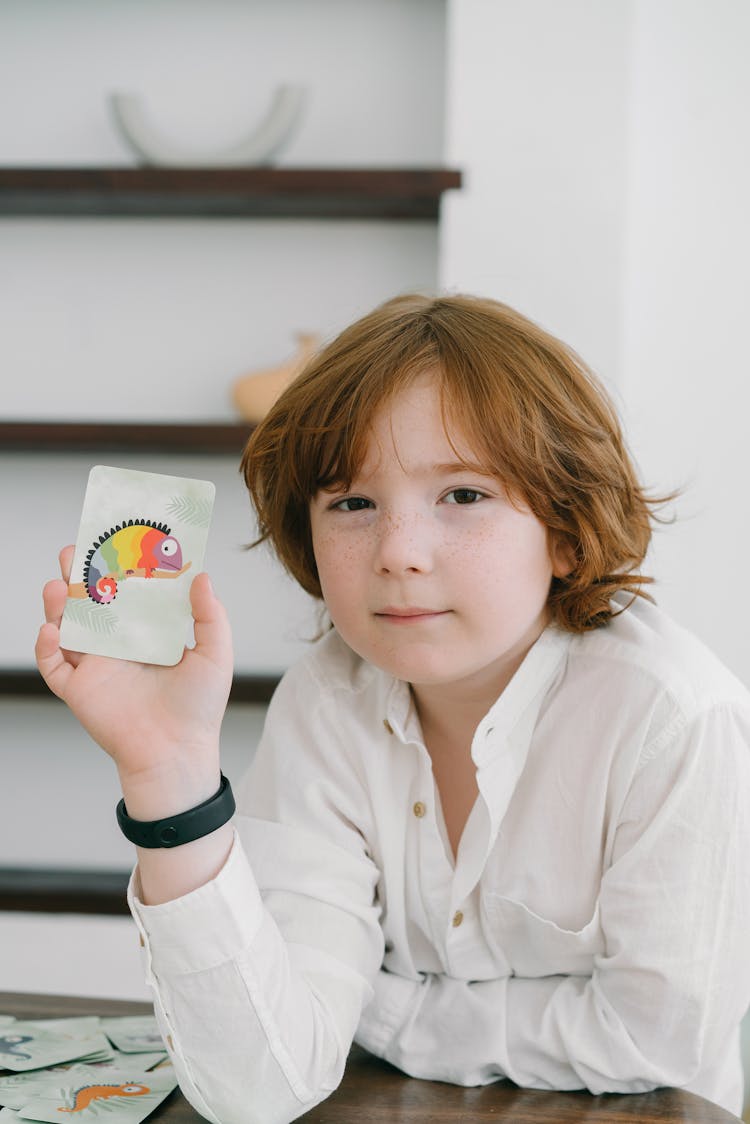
(513, 713)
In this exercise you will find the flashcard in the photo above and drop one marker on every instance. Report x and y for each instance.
(80, 1026)
(18, 1089)
(146, 1059)
(125, 1095)
(25, 1046)
(77, 1026)
(141, 541)
(133, 1034)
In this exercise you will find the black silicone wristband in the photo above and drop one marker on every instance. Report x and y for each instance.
(183, 828)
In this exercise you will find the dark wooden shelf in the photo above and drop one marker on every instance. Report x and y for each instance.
(302, 193)
(52, 890)
(123, 437)
(23, 683)
(63, 890)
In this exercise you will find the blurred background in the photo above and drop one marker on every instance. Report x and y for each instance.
(605, 173)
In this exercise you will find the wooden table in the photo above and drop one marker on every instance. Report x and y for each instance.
(373, 1092)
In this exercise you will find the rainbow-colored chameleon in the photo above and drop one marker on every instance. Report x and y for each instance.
(136, 547)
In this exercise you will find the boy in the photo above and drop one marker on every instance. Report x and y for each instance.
(498, 822)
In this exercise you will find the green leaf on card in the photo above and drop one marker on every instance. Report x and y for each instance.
(194, 511)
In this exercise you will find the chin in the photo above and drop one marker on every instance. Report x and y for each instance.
(421, 673)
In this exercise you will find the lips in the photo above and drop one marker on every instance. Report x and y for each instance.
(410, 613)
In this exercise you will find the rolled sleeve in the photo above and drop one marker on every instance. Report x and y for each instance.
(205, 928)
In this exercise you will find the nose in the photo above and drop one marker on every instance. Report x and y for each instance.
(403, 545)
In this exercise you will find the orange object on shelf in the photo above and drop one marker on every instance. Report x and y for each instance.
(254, 394)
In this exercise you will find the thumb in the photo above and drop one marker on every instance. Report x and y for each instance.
(213, 634)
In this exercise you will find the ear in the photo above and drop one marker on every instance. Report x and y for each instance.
(562, 555)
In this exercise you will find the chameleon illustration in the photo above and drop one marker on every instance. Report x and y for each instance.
(83, 1097)
(9, 1044)
(136, 548)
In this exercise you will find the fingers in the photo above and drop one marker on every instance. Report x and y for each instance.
(56, 591)
(66, 561)
(53, 662)
(55, 670)
(213, 635)
(54, 595)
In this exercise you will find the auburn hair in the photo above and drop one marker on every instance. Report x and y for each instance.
(535, 416)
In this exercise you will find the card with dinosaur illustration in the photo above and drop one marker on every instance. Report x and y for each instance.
(19, 1089)
(141, 540)
(28, 1045)
(124, 1095)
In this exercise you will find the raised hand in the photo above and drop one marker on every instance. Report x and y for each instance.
(151, 720)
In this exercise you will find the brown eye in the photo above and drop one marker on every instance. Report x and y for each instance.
(352, 503)
(464, 495)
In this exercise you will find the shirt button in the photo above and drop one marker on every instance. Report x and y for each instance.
(388, 726)
(457, 918)
(419, 809)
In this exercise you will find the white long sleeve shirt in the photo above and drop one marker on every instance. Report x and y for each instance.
(593, 931)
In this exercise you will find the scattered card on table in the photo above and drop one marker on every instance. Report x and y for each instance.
(18, 1089)
(79, 1026)
(25, 1046)
(133, 1034)
(147, 1059)
(125, 1095)
(141, 541)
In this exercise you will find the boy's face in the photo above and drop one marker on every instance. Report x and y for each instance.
(426, 568)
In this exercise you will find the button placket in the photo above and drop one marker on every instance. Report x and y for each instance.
(434, 872)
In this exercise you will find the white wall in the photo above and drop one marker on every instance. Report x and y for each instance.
(608, 173)
(687, 289)
(536, 115)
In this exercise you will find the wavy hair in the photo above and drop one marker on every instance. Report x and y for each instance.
(534, 415)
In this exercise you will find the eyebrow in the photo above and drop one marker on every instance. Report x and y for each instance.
(449, 468)
(457, 466)
(444, 468)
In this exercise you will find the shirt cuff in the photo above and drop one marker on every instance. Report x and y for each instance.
(206, 927)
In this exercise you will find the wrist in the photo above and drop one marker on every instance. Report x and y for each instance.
(182, 828)
(168, 789)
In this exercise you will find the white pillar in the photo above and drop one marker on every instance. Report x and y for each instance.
(687, 304)
(536, 117)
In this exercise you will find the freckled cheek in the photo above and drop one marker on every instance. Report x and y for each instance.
(340, 560)
(483, 551)
(502, 561)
